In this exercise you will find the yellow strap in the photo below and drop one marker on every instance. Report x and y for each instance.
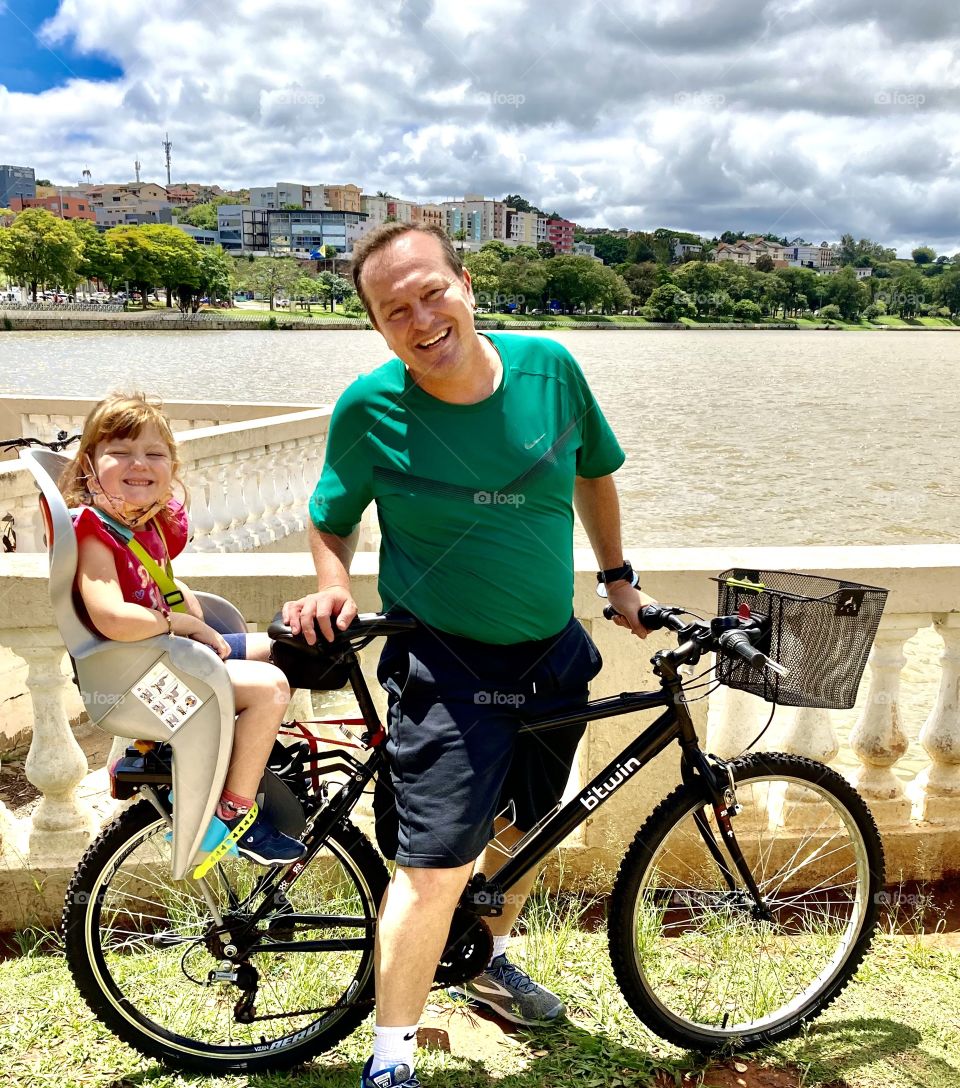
(223, 847)
(163, 577)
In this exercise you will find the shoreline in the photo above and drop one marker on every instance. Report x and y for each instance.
(34, 321)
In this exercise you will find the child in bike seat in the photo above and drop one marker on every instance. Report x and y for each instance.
(129, 526)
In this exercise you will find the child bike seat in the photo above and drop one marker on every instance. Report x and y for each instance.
(163, 688)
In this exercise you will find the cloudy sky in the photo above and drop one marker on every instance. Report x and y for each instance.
(810, 117)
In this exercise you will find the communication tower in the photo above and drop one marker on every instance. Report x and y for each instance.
(136, 169)
(167, 146)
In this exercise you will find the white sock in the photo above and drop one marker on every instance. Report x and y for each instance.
(392, 1046)
(499, 947)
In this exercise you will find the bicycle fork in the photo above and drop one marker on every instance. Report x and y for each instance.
(716, 777)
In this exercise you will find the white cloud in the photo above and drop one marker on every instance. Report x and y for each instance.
(802, 116)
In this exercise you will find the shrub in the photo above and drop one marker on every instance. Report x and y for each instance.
(830, 312)
(747, 310)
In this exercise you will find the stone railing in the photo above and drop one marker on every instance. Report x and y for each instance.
(913, 796)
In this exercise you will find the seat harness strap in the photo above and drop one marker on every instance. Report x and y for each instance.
(163, 576)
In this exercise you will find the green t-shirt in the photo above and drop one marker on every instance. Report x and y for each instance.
(475, 501)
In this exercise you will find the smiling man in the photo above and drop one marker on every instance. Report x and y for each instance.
(475, 449)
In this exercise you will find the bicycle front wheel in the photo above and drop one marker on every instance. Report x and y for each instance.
(694, 958)
(144, 953)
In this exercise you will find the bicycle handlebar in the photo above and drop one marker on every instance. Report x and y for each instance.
(59, 443)
(734, 641)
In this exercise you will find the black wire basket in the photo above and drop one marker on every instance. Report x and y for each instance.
(821, 631)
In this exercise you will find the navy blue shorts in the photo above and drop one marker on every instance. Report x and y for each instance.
(238, 646)
(455, 756)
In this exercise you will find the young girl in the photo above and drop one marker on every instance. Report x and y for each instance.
(122, 479)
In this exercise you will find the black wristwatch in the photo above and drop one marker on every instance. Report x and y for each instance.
(624, 573)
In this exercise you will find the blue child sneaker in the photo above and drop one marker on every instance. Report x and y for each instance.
(395, 1076)
(266, 845)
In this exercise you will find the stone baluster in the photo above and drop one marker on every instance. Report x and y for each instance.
(286, 465)
(804, 731)
(242, 538)
(272, 497)
(253, 499)
(878, 739)
(300, 488)
(220, 506)
(201, 516)
(937, 789)
(62, 825)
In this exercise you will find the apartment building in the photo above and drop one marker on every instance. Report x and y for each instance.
(128, 195)
(132, 215)
(526, 228)
(342, 198)
(16, 181)
(287, 194)
(242, 228)
(300, 233)
(428, 215)
(63, 205)
(803, 255)
(387, 209)
(480, 219)
(560, 235)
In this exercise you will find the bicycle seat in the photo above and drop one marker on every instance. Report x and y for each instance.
(164, 688)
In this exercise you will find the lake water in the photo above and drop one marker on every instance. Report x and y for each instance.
(761, 438)
(766, 438)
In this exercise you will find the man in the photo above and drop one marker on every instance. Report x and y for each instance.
(474, 448)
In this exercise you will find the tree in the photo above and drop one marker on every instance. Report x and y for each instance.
(948, 291)
(923, 255)
(216, 273)
(830, 312)
(847, 293)
(177, 258)
(306, 289)
(135, 258)
(574, 281)
(642, 247)
(546, 250)
(38, 248)
(201, 216)
(669, 303)
(522, 281)
(519, 204)
(610, 248)
(775, 293)
(484, 268)
(701, 282)
(642, 279)
(909, 291)
(746, 310)
(268, 276)
(764, 263)
(501, 249)
(97, 262)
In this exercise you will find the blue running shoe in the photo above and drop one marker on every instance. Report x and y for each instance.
(264, 844)
(511, 993)
(397, 1076)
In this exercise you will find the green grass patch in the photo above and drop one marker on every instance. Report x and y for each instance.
(897, 1025)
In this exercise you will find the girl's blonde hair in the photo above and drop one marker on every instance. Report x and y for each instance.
(120, 415)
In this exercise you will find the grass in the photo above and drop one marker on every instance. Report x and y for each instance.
(897, 1025)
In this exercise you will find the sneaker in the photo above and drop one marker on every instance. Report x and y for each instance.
(511, 993)
(266, 845)
(396, 1076)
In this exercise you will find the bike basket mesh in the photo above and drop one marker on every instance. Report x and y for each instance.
(821, 630)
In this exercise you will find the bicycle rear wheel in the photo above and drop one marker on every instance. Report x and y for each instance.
(141, 947)
(694, 960)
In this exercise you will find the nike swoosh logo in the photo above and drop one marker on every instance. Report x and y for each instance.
(530, 445)
(412, 1035)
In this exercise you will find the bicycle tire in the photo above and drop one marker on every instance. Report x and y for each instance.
(136, 947)
(693, 962)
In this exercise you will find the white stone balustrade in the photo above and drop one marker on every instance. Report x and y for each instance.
(925, 594)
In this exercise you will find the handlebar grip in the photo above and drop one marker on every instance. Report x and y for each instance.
(653, 617)
(738, 644)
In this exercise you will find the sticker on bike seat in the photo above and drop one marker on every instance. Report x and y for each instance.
(166, 696)
(231, 839)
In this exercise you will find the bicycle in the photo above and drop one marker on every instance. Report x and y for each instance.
(744, 905)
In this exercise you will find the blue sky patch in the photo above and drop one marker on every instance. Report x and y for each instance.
(29, 66)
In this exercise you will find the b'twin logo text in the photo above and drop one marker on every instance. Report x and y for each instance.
(600, 793)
